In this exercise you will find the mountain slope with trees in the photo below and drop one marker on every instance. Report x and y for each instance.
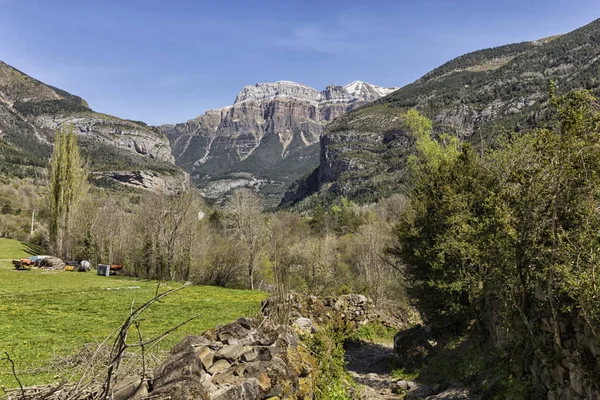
(474, 97)
(31, 113)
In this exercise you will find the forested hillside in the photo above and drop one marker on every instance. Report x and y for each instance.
(476, 97)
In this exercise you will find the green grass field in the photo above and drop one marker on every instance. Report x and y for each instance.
(45, 314)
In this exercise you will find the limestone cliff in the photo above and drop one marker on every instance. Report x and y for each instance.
(267, 139)
(31, 112)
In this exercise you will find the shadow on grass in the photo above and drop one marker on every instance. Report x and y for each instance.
(33, 249)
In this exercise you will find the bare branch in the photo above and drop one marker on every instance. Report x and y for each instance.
(14, 372)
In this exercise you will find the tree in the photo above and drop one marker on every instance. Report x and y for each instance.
(169, 223)
(247, 222)
(68, 186)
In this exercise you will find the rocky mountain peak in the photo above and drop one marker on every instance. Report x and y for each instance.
(267, 139)
(355, 91)
(262, 91)
(366, 92)
(333, 92)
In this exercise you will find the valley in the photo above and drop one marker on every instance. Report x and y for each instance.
(430, 240)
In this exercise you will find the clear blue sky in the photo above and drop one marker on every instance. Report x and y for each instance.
(166, 61)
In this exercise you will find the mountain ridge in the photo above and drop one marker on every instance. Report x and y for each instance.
(31, 112)
(474, 96)
(266, 139)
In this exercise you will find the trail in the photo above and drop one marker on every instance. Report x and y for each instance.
(371, 366)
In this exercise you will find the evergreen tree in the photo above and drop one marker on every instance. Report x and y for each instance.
(68, 185)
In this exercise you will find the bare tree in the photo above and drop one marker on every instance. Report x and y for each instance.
(169, 220)
(244, 213)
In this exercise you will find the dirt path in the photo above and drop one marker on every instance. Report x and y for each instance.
(371, 365)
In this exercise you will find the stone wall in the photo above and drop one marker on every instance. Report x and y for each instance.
(569, 370)
(246, 359)
(574, 372)
(353, 309)
(254, 358)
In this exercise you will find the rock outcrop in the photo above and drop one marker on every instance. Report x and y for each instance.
(157, 182)
(270, 134)
(122, 134)
(31, 112)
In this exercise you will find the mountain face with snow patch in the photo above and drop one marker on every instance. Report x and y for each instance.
(266, 140)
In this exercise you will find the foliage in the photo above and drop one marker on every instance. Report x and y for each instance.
(332, 381)
(68, 186)
(511, 238)
(19, 199)
(244, 215)
(33, 108)
(373, 332)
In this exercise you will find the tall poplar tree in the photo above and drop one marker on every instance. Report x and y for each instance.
(68, 186)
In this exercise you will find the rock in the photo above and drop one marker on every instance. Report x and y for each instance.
(264, 381)
(266, 336)
(210, 387)
(183, 366)
(218, 366)
(158, 182)
(234, 330)
(249, 390)
(420, 392)
(405, 385)
(576, 381)
(131, 387)
(305, 325)
(412, 345)
(276, 368)
(558, 373)
(232, 351)
(247, 323)
(454, 394)
(260, 353)
(206, 356)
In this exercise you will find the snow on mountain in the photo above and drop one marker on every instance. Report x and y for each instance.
(365, 91)
(355, 91)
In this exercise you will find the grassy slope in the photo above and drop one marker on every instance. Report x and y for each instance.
(44, 314)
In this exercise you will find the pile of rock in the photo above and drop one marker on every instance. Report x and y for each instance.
(413, 345)
(246, 359)
(353, 309)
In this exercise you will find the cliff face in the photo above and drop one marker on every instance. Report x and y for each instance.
(267, 139)
(475, 96)
(31, 112)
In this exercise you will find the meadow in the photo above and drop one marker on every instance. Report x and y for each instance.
(47, 315)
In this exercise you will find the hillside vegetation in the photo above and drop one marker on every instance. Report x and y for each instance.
(31, 112)
(505, 244)
(478, 97)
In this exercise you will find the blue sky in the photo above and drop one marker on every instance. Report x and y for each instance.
(168, 61)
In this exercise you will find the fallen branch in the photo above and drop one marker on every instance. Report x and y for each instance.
(14, 372)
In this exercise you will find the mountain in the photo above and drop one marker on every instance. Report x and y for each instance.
(118, 150)
(267, 139)
(475, 96)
